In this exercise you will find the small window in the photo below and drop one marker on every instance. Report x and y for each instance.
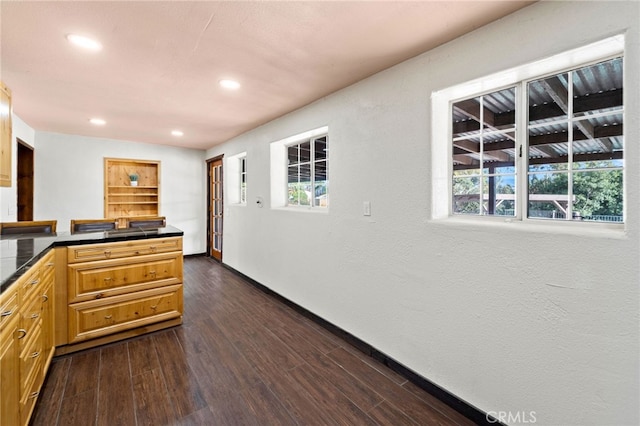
(243, 180)
(307, 173)
(236, 179)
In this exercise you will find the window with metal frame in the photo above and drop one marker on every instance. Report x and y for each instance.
(308, 172)
(556, 154)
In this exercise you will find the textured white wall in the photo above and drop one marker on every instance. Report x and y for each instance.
(509, 317)
(69, 181)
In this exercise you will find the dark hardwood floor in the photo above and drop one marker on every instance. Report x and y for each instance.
(241, 358)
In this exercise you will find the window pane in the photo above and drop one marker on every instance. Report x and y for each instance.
(548, 195)
(321, 148)
(498, 152)
(499, 195)
(598, 88)
(243, 165)
(305, 152)
(466, 195)
(598, 196)
(292, 153)
(548, 99)
(466, 117)
(598, 142)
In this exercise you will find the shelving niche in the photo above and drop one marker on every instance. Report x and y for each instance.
(121, 199)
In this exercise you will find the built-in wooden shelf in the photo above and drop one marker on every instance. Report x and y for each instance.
(121, 199)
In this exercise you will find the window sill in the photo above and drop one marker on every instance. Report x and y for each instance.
(540, 226)
(316, 210)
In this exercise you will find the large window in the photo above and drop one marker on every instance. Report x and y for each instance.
(560, 157)
(307, 173)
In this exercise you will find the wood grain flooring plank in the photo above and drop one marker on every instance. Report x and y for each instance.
(83, 373)
(48, 405)
(265, 406)
(387, 414)
(79, 409)
(142, 355)
(338, 406)
(182, 385)
(358, 392)
(416, 408)
(439, 405)
(152, 402)
(115, 395)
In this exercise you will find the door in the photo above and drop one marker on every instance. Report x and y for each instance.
(25, 181)
(215, 208)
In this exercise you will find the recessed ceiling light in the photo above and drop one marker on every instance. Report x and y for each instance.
(177, 133)
(97, 121)
(84, 42)
(230, 84)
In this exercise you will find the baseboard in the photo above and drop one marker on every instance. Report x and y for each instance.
(469, 411)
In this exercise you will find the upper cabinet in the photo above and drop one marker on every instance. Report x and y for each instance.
(5, 135)
(131, 188)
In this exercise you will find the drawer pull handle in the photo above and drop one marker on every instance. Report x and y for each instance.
(34, 395)
(35, 316)
(154, 307)
(34, 282)
(108, 279)
(108, 316)
(107, 253)
(7, 313)
(35, 355)
(23, 332)
(50, 264)
(45, 297)
(152, 273)
(153, 248)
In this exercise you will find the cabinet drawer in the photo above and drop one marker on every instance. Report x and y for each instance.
(30, 360)
(96, 280)
(30, 320)
(104, 251)
(8, 306)
(88, 320)
(30, 392)
(29, 283)
(47, 267)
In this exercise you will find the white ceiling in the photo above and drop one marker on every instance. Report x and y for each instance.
(161, 61)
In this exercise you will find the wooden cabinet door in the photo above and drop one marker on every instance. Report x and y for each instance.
(10, 374)
(6, 140)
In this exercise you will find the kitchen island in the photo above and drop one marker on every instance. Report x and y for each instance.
(66, 292)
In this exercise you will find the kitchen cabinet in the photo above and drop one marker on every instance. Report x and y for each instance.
(115, 290)
(26, 339)
(5, 135)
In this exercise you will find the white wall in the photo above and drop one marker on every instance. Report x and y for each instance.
(8, 195)
(69, 181)
(508, 317)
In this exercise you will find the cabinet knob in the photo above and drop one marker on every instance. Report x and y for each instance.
(153, 248)
(107, 253)
(21, 333)
(45, 297)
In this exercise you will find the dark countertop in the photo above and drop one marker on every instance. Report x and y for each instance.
(20, 252)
